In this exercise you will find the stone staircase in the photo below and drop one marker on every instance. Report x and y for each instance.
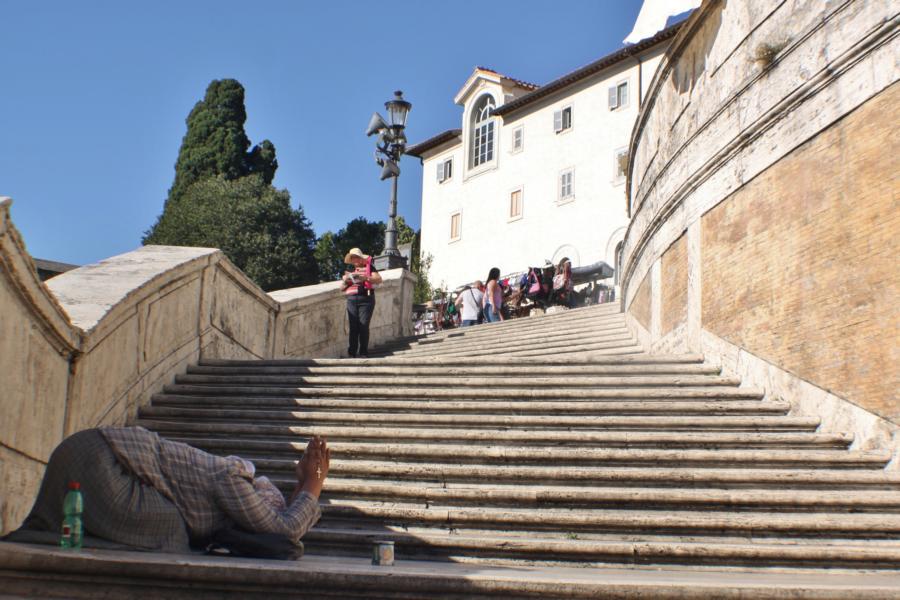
(548, 441)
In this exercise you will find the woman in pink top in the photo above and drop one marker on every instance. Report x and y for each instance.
(493, 297)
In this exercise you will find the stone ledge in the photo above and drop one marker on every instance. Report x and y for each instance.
(33, 571)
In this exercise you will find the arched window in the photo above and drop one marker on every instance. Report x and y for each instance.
(482, 131)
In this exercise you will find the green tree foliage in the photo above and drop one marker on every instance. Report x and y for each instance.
(252, 223)
(360, 233)
(215, 143)
(369, 237)
(222, 197)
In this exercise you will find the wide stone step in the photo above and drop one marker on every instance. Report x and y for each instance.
(563, 347)
(477, 336)
(441, 454)
(693, 522)
(425, 406)
(562, 320)
(668, 476)
(586, 439)
(601, 456)
(460, 382)
(627, 423)
(479, 416)
(45, 572)
(461, 361)
(713, 392)
(539, 548)
(373, 368)
(493, 494)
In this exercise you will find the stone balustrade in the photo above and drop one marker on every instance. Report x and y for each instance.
(91, 346)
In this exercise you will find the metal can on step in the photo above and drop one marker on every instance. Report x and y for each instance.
(383, 553)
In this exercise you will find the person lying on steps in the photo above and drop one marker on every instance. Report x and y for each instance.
(149, 493)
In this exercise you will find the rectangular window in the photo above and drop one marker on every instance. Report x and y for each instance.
(444, 170)
(618, 95)
(515, 204)
(455, 226)
(562, 119)
(518, 139)
(566, 188)
(621, 164)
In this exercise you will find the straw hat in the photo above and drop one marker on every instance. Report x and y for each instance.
(355, 252)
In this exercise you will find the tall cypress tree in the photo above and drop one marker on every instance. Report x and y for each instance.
(222, 196)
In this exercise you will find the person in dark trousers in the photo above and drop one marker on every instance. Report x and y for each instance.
(360, 291)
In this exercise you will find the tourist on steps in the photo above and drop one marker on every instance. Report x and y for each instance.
(469, 304)
(493, 298)
(149, 493)
(359, 289)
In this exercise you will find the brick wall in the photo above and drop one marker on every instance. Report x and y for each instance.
(800, 265)
(640, 306)
(673, 286)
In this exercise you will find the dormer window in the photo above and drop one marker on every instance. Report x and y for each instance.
(482, 131)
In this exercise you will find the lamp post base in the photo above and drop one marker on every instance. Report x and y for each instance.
(390, 261)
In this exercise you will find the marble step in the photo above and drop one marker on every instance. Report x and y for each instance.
(602, 414)
(626, 423)
(559, 439)
(440, 455)
(476, 335)
(844, 525)
(426, 406)
(540, 548)
(374, 369)
(623, 392)
(625, 345)
(31, 571)
(460, 382)
(462, 361)
(494, 494)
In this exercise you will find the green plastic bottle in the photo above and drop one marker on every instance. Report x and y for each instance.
(73, 506)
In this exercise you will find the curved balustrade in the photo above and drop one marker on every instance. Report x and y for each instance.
(93, 344)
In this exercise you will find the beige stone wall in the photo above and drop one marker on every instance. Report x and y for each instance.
(673, 288)
(93, 345)
(822, 297)
(768, 141)
(640, 306)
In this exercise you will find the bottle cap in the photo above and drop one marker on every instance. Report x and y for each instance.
(74, 485)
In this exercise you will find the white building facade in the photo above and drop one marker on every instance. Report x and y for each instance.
(534, 173)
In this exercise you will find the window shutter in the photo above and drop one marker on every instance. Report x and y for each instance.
(613, 98)
(440, 172)
(557, 121)
(623, 97)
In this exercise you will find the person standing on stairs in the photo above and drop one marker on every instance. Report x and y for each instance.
(149, 493)
(358, 286)
(493, 298)
(469, 304)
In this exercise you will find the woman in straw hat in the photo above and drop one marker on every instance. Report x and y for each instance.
(360, 291)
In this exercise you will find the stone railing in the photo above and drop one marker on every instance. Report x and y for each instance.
(761, 199)
(91, 346)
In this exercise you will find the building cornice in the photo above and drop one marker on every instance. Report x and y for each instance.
(595, 67)
(421, 148)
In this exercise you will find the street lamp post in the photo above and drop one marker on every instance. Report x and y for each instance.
(390, 145)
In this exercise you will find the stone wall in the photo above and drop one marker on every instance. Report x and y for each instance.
(763, 186)
(92, 345)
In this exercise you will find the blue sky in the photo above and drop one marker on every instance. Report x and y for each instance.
(94, 94)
